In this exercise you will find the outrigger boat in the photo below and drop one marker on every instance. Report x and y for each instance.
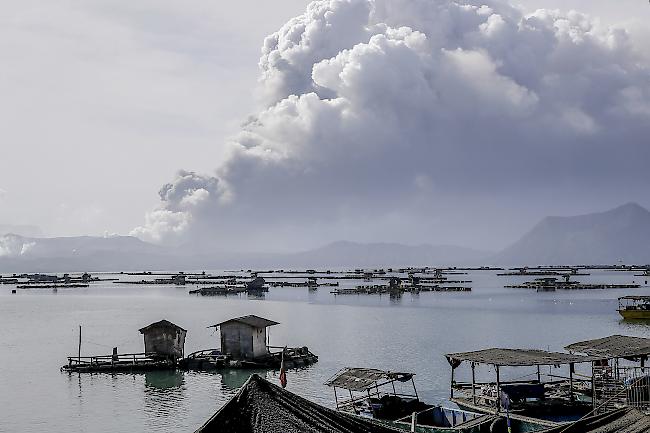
(381, 396)
(262, 407)
(368, 395)
(634, 307)
(550, 402)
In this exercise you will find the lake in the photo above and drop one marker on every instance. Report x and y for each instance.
(39, 329)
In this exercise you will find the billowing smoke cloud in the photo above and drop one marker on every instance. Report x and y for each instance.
(381, 113)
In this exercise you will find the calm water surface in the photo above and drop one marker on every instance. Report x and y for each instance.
(39, 329)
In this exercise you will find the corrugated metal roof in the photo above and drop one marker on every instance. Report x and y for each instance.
(251, 320)
(361, 379)
(516, 357)
(614, 346)
(161, 323)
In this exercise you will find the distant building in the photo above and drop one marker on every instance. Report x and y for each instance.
(244, 338)
(164, 339)
(256, 283)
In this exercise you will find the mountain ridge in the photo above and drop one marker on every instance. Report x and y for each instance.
(608, 237)
(618, 234)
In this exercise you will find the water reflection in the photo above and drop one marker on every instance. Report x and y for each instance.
(164, 398)
(164, 379)
(233, 379)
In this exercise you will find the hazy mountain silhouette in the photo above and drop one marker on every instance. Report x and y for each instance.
(621, 234)
(350, 254)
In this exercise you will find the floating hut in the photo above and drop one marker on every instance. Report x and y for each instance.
(244, 344)
(245, 338)
(164, 339)
(163, 347)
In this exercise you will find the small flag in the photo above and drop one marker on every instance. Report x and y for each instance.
(283, 373)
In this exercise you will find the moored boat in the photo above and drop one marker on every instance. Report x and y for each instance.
(634, 307)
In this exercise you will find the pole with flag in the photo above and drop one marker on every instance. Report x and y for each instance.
(283, 373)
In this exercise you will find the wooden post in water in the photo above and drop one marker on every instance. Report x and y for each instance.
(79, 352)
(414, 417)
(571, 368)
(498, 391)
(473, 383)
(451, 387)
(594, 399)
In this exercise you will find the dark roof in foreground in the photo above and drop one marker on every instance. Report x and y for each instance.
(614, 346)
(627, 420)
(251, 320)
(516, 357)
(360, 379)
(261, 407)
(161, 323)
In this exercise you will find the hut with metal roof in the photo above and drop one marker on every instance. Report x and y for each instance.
(164, 339)
(245, 338)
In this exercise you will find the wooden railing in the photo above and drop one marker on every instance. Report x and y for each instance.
(122, 358)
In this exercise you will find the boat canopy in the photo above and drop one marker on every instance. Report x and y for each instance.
(362, 379)
(515, 357)
(628, 420)
(262, 407)
(614, 346)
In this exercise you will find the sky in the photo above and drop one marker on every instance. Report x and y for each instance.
(419, 121)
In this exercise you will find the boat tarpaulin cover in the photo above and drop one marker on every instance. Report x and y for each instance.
(614, 346)
(262, 407)
(625, 420)
(361, 379)
(515, 357)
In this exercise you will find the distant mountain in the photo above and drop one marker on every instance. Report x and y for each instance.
(21, 230)
(29, 254)
(87, 253)
(351, 254)
(620, 234)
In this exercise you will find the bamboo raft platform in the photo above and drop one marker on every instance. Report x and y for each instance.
(213, 359)
(214, 291)
(552, 284)
(117, 363)
(311, 284)
(383, 289)
(52, 286)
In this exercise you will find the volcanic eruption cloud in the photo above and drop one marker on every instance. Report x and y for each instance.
(379, 113)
